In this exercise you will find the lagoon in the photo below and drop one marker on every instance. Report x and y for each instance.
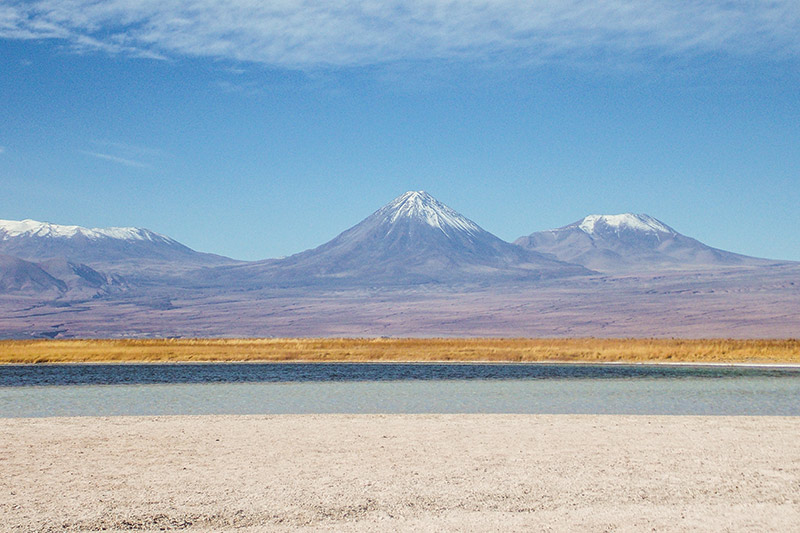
(305, 388)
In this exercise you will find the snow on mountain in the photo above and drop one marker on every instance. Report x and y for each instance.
(33, 228)
(625, 221)
(411, 240)
(629, 242)
(421, 206)
(123, 248)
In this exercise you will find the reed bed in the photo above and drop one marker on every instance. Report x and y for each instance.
(402, 349)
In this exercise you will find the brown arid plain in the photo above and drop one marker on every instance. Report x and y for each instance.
(403, 349)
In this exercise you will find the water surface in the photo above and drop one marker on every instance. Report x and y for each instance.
(145, 373)
(278, 388)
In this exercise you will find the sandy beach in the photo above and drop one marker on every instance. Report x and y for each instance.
(400, 472)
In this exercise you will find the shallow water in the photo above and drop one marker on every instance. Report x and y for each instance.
(160, 389)
(144, 373)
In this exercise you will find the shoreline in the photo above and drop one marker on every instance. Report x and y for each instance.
(776, 365)
(401, 472)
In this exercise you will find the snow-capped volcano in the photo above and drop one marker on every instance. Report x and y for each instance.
(413, 239)
(421, 206)
(627, 242)
(119, 246)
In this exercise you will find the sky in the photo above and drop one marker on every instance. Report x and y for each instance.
(260, 129)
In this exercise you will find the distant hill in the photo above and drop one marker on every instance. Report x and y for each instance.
(629, 242)
(82, 280)
(56, 278)
(20, 276)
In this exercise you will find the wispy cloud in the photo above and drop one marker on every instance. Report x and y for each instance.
(127, 149)
(2, 150)
(247, 87)
(116, 159)
(308, 33)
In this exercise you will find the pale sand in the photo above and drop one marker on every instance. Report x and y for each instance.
(401, 472)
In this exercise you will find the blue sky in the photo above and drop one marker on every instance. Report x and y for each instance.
(257, 130)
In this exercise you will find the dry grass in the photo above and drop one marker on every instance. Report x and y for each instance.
(584, 349)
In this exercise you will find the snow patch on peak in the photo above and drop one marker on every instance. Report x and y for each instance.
(419, 205)
(33, 228)
(644, 223)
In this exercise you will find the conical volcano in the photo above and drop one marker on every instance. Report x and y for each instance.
(411, 240)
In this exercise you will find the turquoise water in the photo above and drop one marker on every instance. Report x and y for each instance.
(458, 388)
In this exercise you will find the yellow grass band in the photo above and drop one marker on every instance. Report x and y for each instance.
(382, 349)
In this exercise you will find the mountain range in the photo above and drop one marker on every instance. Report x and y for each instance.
(415, 239)
(415, 254)
(121, 249)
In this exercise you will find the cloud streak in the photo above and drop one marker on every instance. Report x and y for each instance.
(341, 33)
(127, 149)
(116, 159)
